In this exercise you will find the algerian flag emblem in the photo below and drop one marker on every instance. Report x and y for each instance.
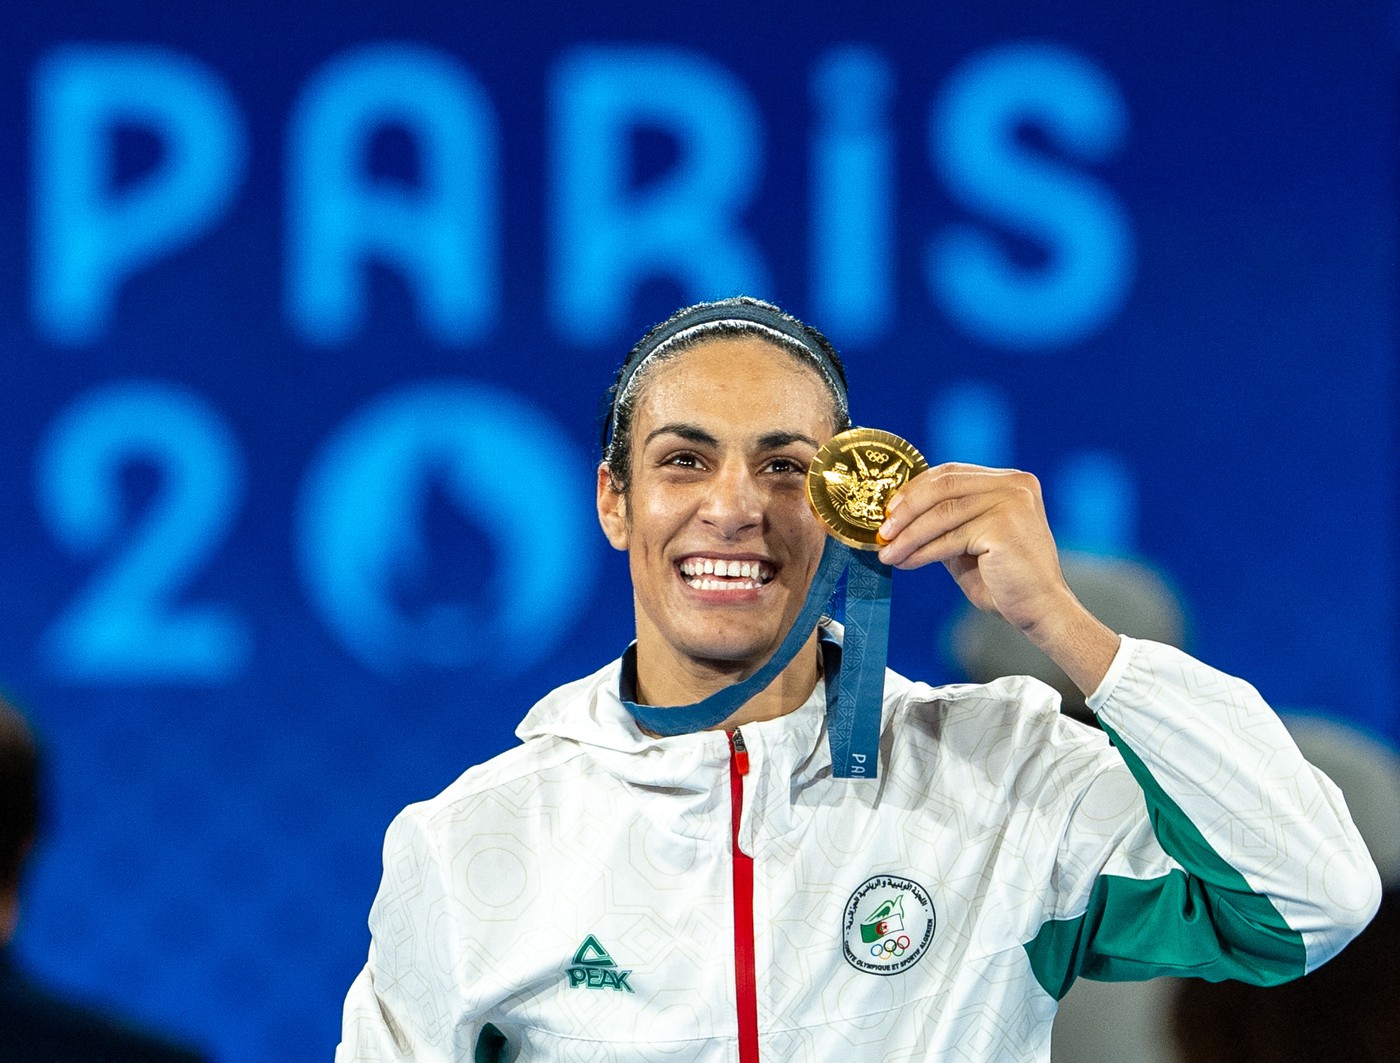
(886, 919)
(888, 925)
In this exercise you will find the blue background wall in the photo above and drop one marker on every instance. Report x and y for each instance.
(306, 310)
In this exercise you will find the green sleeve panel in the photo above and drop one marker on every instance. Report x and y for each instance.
(1203, 922)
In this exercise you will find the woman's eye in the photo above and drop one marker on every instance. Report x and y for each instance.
(784, 465)
(683, 460)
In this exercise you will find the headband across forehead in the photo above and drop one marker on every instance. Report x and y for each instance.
(738, 311)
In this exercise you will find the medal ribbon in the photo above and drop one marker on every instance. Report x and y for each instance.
(853, 724)
(853, 715)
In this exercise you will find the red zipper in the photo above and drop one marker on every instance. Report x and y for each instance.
(745, 978)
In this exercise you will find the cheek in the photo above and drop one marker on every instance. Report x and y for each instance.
(796, 514)
(812, 529)
(653, 523)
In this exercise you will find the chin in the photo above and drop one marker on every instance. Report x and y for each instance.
(729, 649)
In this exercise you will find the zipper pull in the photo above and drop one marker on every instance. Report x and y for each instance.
(741, 753)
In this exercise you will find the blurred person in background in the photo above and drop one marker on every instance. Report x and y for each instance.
(37, 1025)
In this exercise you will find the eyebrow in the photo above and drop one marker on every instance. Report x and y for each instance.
(692, 433)
(778, 440)
(689, 432)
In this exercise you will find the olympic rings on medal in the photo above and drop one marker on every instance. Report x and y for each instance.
(890, 947)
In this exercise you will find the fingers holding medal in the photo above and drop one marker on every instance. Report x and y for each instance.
(852, 479)
(987, 526)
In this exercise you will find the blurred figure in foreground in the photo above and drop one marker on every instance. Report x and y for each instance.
(37, 1026)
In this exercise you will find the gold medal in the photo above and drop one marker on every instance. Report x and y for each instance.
(852, 479)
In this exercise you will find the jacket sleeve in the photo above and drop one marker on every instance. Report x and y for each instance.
(405, 1006)
(1219, 852)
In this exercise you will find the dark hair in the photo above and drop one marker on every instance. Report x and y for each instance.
(19, 793)
(691, 326)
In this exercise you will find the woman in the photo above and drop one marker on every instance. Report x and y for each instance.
(604, 892)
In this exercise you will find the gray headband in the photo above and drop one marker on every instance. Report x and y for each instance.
(726, 310)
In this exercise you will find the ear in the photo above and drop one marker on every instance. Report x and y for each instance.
(612, 509)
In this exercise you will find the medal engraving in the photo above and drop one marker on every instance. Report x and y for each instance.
(852, 479)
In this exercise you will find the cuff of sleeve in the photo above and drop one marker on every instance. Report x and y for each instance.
(1104, 690)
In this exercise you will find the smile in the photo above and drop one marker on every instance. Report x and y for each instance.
(719, 574)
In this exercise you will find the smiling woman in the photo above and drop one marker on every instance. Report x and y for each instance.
(724, 434)
(1004, 851)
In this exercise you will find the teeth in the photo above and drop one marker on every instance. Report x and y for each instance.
(756, 572)
(702, 584)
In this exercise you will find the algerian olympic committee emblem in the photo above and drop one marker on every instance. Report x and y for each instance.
(888, 925)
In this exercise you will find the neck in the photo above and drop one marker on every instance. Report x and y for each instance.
(684, 681)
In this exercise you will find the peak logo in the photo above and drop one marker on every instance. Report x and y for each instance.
(593, 968)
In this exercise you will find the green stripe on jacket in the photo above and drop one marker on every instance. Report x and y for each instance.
(1204, 922)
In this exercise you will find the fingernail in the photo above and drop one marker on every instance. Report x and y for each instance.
(893, 504)
(886, 532)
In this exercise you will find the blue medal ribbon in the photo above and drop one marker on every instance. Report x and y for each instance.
(853, 724)
(853, 716)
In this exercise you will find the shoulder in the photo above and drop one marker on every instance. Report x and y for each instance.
(1018, 703)
(1011, 728)
(498, 794)
(507, 792)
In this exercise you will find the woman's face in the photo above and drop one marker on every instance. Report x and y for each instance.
(721, 542)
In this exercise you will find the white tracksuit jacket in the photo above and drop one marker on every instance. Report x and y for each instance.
(579, 896)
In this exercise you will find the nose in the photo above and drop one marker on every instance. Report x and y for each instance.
(734, 503)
